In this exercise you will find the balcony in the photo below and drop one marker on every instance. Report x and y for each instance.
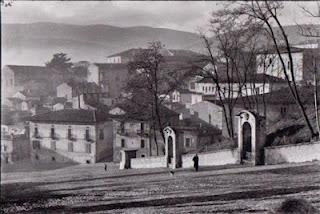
(143, 133)
(36, 135)
(71, 137)
(132, 133)
(53, 136)
(88, 138)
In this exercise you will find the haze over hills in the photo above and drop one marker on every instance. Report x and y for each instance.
(34, 44)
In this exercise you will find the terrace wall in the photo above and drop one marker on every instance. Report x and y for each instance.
(214, 158)
(148, 162)
(292, 153)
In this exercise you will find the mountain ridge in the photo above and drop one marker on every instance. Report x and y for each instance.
(35, 43)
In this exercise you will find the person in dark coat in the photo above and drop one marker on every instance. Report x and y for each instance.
(195, 160)
(105, 167)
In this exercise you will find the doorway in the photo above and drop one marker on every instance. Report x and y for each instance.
(247, 142)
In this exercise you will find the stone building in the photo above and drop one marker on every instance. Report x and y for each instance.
(254, 84)
(15, 78)
(14, 147)
(133, 129)
(71, 135)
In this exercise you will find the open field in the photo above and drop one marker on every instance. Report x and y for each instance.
(89, 189)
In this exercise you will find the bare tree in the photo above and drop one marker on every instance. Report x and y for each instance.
(233, 61)
(265, 13)
(309, 30)
(152, 79)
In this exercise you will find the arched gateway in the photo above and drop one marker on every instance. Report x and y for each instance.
(172, 151)
(251, 137)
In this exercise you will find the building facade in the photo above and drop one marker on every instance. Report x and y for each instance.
(71, 135)
(14, 147)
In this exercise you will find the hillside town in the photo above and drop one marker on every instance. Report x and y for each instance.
(244, 102)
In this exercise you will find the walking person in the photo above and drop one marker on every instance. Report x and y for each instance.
(195, 160)
(105, 167)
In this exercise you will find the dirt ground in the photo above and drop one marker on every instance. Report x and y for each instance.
(90, 189)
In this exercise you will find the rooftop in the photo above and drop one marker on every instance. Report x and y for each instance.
(255, 78)
(283, 96)
(28, 69)
(108, 66)
(165, 52)
(71, 116)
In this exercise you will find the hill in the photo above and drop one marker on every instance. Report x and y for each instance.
(35, 43)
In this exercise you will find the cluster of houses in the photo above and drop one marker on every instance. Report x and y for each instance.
(85, 120)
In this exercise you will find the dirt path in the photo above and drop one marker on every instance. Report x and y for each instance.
(88, 189)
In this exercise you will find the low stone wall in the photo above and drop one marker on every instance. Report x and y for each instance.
(292, 153)
(215, 158)
(148, 162)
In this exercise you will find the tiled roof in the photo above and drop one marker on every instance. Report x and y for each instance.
(71, 116)
(29, 69)
(186, 91)
(254, 78)
(282, 49)
(165, 52)
(283, 96)
(140, 112)
(110, 66)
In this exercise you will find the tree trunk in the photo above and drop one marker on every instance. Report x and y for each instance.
(316, 98)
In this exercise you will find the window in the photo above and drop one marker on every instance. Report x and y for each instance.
(122, 127)
(257, 90)
(188, 142)
(101, 134)
(142, 127)
(52, 132)
(202, 88)
(192, 85)
(69, 133)
(143, 155)
(53, 158)
(88, 161)
(123, 142)
(36, 132)
(36, 144)
(4, 148)
(36, 157)
(88, 148)
(283, 111)
(70, 147)
(142, 143)
(53, 145)
(210, 118)
(87, 134)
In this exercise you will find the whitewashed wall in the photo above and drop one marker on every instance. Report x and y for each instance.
(215, 158)
(292, 153)
(148, 162)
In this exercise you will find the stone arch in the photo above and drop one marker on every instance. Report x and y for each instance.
(251, 137)
(170, 147)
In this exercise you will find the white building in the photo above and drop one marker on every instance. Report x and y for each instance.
(186, 96)
(269, 63)
(71, 135)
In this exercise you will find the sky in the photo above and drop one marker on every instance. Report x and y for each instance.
(180, 15)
